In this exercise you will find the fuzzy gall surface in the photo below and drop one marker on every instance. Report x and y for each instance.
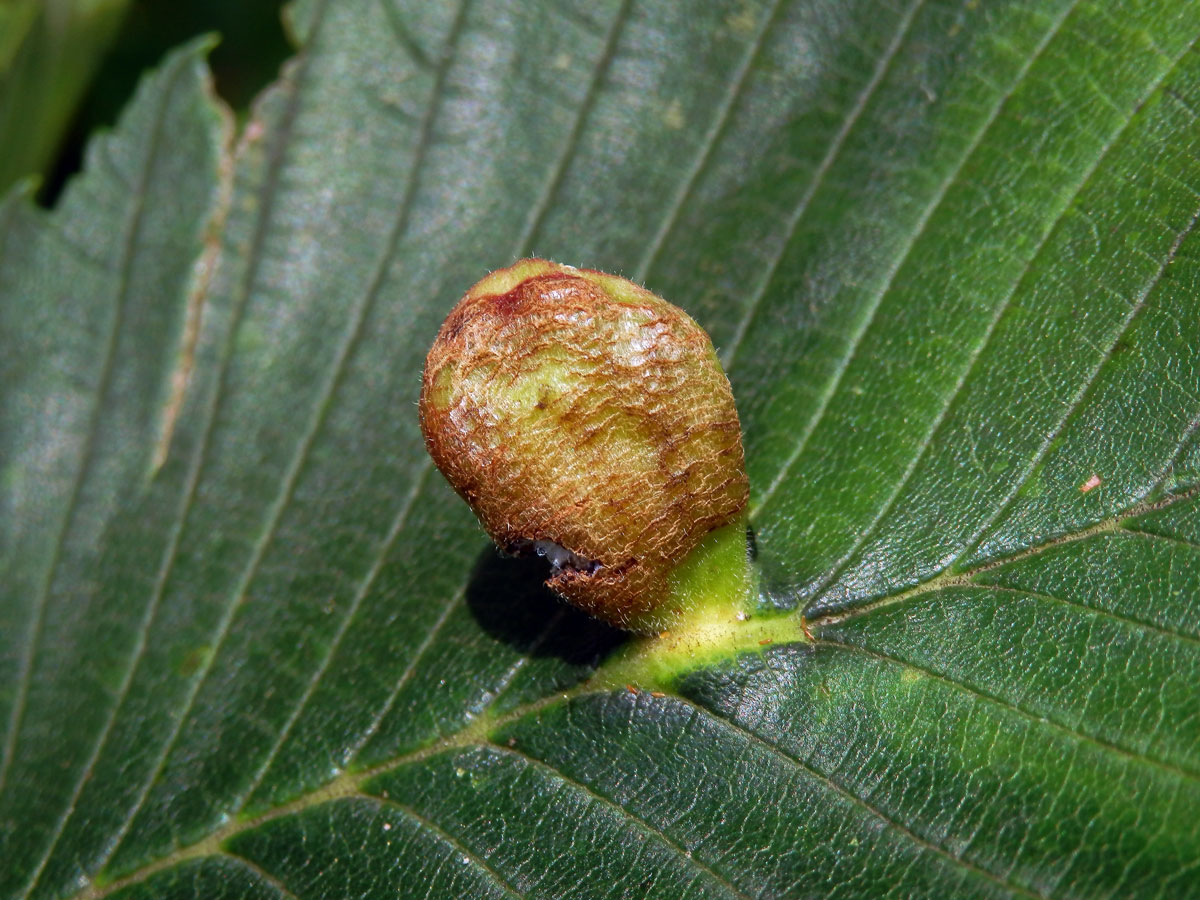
(576, 408)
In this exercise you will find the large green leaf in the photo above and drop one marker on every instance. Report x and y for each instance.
(947, 250)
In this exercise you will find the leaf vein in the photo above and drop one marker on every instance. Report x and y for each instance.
(684, 855)
(1097, 611)
(1155, 536)
(1031, 716)
(1076, 403)
(154, 147)
(360, 594)
(355, 748)
(956, 392)
(259, 873)
(324, 400)
(700, 162)
(865, 805)
(876, 302)
(404, 39)
(506, 680)
(445, 837)
(831, 156)
(107, 368)
(553, 183)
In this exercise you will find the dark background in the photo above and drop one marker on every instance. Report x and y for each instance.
(253, 46)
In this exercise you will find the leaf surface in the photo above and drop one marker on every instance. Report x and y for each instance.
(252, 645)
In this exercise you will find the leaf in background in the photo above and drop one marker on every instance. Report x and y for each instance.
(49, 50)
(948, 253)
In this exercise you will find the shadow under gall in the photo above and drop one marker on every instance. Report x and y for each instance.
(508, 598)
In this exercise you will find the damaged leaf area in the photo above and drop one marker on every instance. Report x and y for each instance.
(588, 420)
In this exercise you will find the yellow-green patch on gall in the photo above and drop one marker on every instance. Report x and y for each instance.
(586, 419)
(443, 383)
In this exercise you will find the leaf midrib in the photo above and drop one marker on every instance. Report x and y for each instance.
(477, 732)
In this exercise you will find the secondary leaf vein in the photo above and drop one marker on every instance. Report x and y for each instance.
(154, 148)
(915, 234)
(1031, 716)
(831, 156)
(865, 805)
(685, 856)
(956, 391)
(724, 112)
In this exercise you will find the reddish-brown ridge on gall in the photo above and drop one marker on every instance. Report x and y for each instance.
(586, 419)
